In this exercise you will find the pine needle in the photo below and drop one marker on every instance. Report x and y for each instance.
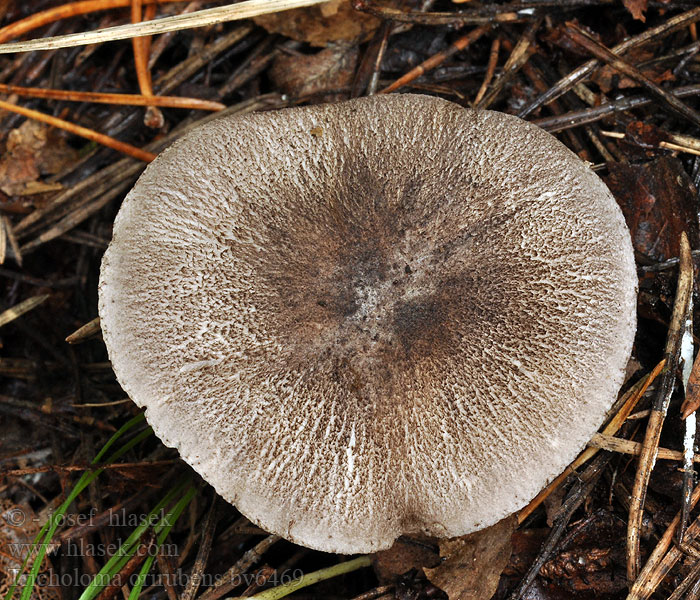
(200, 18)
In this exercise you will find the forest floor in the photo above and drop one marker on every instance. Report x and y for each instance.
(617, 81)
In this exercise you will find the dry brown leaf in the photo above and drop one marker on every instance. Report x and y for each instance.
(658, 201)
(636, 8)
(407, 553)
(472, 564)
(32, 150)
(301, 75)
(333, 21)
(553, 502)
(609, 79)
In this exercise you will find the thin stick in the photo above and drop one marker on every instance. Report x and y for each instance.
(679, 148)
(373, 84)
(664, 556)
(659, 408)
(604, 54)
(503, 14)
(576, 118)
(517, 58)
(249, 558)
(680, 143)
(694, 592)
(691, 578)
(108, 98)
(64, 11)
(436, 59)
(155, 464)
(18, 310)
(3, 242)
(90, 134)
(86, 331)
(488, 14)
(12, 239)
(141, 47)
(490, 69)
(200, 562)
(200, 18)
(103, 404)
(622, 446)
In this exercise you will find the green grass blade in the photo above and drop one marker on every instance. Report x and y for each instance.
(285, 589)
(116, 563)
(162, 529)
(117, 434)
(43, 539)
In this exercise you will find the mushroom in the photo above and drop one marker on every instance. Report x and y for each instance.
(383, 316)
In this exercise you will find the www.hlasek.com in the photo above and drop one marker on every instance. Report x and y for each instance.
(80, 547)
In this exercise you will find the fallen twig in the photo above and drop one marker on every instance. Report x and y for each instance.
(659, 408)
(108, 98)
(89, 134)
(602, 53)
(436, 59)
(664, 556)
(569, 81)
(200, 18)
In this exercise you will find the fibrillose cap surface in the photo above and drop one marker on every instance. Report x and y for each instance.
(371, 318)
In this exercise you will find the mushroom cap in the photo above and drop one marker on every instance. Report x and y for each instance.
(371, 318)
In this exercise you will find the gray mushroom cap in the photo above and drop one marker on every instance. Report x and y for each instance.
(377, 317)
